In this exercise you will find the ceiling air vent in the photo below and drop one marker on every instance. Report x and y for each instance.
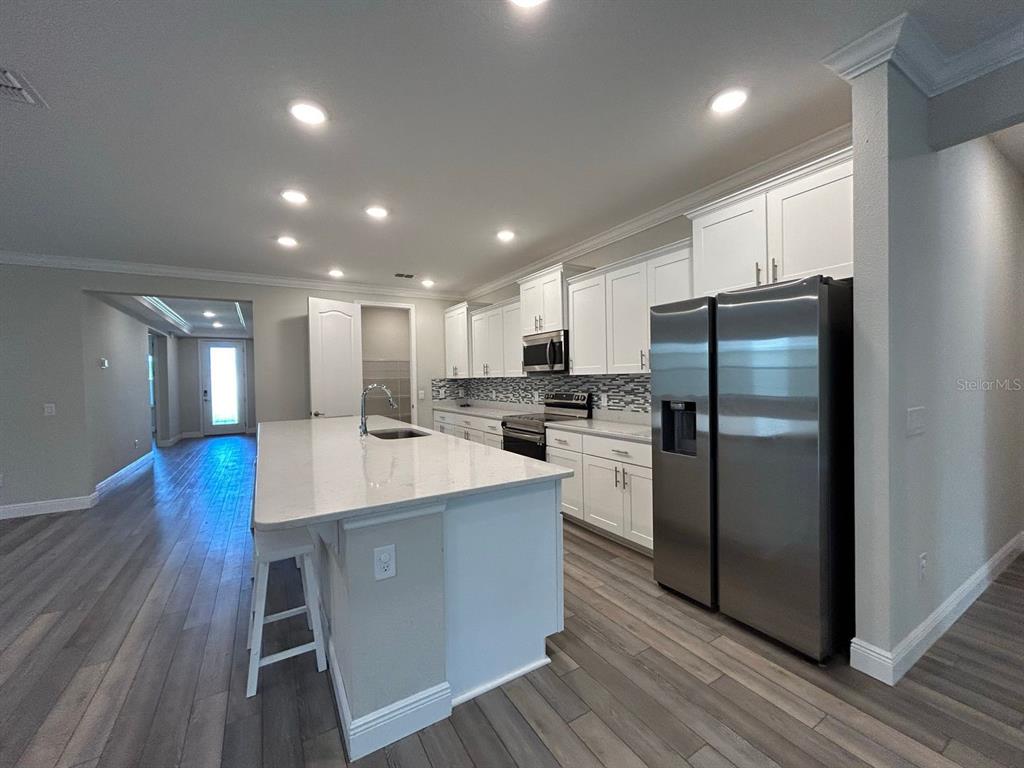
(14, 87)
(404, 275)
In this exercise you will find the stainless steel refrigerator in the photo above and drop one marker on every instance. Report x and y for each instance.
(683, 443)
(785, 468)
(752, 457)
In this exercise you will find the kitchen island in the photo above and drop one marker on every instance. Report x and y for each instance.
(475, 582)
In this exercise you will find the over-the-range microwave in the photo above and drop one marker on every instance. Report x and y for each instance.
(546, 352)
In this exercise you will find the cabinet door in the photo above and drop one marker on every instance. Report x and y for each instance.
(495, 348)
(475, 436)
(670, 277)
(478, 341)
(602, 493)
(729, 247)
(551, 315)
(531, 305)
(572, 487)
(626, 319)
(451, 334)
(810, 226)
(512, 341)
(587, 330)
(639, 515)
(492, 440)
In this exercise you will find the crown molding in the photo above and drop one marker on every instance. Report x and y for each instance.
(838, 138)
(187, 273)
(905, 43)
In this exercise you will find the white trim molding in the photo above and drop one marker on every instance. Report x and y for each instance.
(387, 725)
(170, 441)
(196, 273)
(123, 472)
(801, 154)
(48, 506)
(905, 43)
(490, 685)
(890, 666)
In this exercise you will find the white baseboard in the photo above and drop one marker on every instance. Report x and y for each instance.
(168, 442)
(190, 435)
(387, 725)
(491, 685)
(102, 485)
(251, 431)
(48, 506)
(890, 666)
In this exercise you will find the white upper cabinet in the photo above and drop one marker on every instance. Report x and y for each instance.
(456, 341)
(512, 340)
(729, 247)
(810, 225)
(627, 319)
(531, 307)
(552, 315)
(587, 334)
(487, 332)
(793, 226)
(670, 277)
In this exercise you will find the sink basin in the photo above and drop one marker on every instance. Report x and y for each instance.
(397, 434)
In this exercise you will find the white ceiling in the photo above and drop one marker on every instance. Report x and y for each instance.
(167, 139)
(235, 317)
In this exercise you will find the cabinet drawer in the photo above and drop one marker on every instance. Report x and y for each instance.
(617, 450)
(444, 417)
(477, 422)
(566, 441)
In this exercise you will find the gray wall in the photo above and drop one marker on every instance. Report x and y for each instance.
(117, 414)
(44, 458)
(939, 239)
(385, 333)
(168, 423)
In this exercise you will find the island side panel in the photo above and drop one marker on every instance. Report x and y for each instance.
(502, 584)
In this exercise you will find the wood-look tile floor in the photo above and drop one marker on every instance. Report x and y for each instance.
(122, 643)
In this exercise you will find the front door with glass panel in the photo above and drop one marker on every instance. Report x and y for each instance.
(223, 386)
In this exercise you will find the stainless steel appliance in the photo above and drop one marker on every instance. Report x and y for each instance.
(546, 352)
(683, 418)
(523, 433)
(785, 474)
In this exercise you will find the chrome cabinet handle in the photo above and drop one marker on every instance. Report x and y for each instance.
(616, 477)
(624, 486)
(561, 440)
(540, 322)
(757, 273)
(620, 452)
(775, 271)
(641, 359)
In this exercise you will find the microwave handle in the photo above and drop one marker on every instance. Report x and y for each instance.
(550, 353)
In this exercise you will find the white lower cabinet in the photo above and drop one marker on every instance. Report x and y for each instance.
(606, 490)
(473, 428)
(572, 487)
(492, 440)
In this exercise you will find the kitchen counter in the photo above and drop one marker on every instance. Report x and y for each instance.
(482, 412)
(475, 584)
(318, 470)
(635, 433)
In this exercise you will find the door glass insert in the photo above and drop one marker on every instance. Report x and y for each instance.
(223, 386)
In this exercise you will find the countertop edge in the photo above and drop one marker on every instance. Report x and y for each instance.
(610, 434)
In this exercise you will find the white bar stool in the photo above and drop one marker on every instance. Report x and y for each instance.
(269, 547)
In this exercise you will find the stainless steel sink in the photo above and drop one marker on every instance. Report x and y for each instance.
(397, 434)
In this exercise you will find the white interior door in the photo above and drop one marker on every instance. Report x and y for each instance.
(335, 357)
(223, 386)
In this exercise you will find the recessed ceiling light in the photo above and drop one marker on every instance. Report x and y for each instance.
(428, 283)
(336, 273)
(208, 313)
(729, 101)
(506, 235)
(377, 212)
(295, 196)
(528, 3)
(307, 112)
(218, 325)
(287, 241)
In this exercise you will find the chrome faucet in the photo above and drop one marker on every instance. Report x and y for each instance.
(362, 405)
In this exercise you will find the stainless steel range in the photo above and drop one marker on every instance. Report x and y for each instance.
(523, 433)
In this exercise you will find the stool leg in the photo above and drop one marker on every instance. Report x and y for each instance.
(259, 598)
(312, 598)
(305, 593)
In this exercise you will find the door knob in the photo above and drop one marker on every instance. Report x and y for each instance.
(317, 413)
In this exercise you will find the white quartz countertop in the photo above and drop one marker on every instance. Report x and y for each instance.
(635, 433)
(318, 470)
(483, 413)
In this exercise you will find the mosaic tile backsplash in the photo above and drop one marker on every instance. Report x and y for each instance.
(625, 392)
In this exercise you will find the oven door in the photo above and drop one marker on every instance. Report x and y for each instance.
(524, 443)
(546, 352)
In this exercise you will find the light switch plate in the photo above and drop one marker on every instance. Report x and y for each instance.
(915, 421)
(421, 395)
